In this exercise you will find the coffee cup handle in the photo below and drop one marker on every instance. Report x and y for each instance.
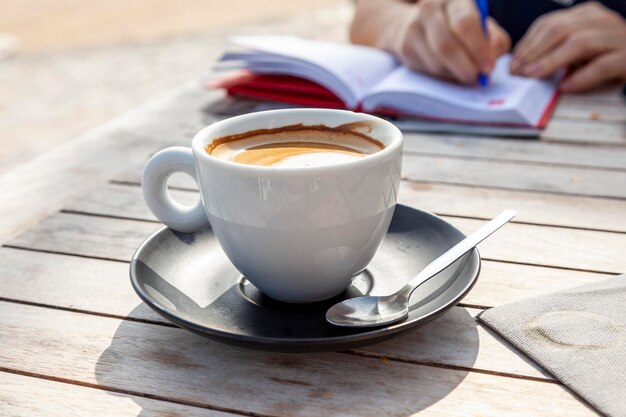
(154, 186)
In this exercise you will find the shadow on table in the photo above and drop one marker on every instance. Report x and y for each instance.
(172, 364)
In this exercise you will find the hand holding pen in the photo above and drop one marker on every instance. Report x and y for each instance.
(446, 38)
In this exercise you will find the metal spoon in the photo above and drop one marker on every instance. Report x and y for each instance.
(369, 310)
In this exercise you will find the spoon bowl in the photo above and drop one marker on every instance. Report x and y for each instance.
(368, 311)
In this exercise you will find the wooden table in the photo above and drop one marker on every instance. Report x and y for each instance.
(76, 340)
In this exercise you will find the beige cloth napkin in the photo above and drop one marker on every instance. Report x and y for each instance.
(578, 335)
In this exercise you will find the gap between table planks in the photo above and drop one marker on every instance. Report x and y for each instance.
(170, 363)
(41, 187)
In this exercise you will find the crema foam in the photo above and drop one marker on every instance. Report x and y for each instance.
(294, 147)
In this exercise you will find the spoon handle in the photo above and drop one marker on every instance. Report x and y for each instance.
(460, 249)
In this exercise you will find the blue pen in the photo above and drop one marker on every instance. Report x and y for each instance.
(483, 7)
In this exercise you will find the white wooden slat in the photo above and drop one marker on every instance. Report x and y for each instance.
(585, 131)
(503, 149)
(506, 175)
(585, 108)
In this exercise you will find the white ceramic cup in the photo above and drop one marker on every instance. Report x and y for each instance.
(298, 234)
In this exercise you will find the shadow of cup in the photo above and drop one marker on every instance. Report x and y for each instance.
(165, 362)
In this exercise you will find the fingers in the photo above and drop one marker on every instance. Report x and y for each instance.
(465, 24)
(605, 68)
(544, 34)
(576, 48)
(451, 52)
(535, 52)
(445, 38)
(419, 57)
(416, 54)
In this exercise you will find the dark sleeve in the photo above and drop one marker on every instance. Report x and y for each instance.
(516, 16)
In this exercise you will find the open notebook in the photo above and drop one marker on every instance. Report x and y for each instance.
(337, 75)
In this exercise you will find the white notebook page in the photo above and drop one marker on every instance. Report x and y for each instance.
(432, 97)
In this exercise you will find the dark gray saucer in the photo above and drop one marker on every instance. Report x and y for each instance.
(187, 278)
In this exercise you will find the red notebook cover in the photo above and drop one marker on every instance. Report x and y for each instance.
(283, 88)
(295, 90)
